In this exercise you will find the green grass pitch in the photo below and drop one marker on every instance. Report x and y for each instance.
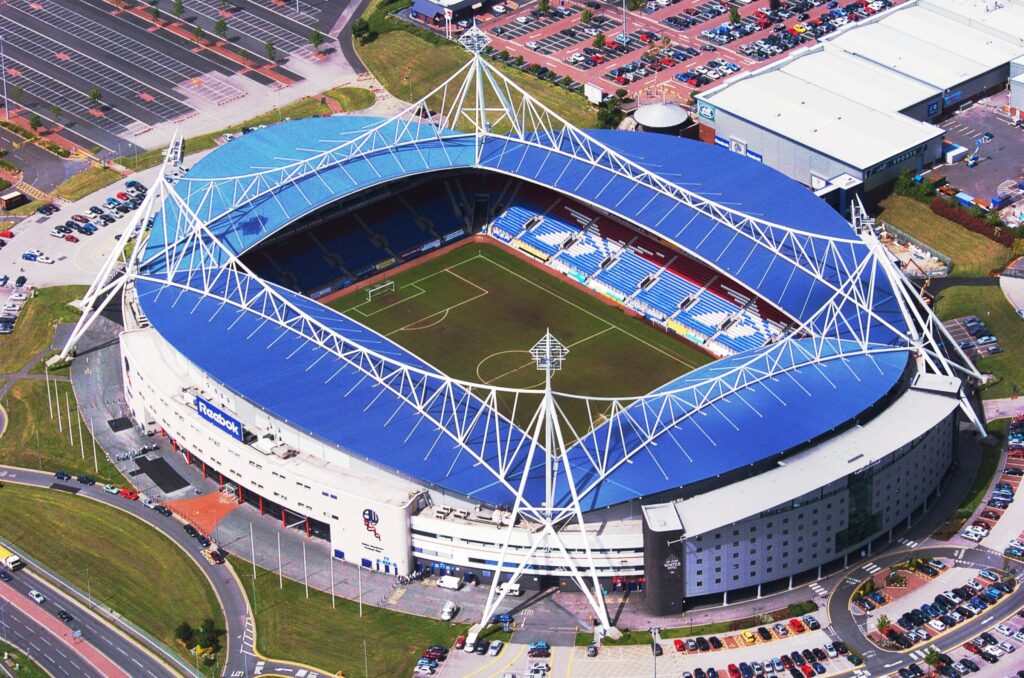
(475, 312)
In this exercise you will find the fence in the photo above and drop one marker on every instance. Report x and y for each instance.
(906, 239)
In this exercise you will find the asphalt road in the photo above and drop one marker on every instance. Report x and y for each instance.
(40, 168)
(135, 660)
(241, 659)
(41, 645)
(849, 627)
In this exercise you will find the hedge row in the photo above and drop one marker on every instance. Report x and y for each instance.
(17, 129)
(955, 213)
(9, 166)
(55, 149)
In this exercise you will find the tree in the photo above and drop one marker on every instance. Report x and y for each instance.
(621, 93)
(184, 632)
(178, 8)
(883, 623)
(992, 219)
(35, 122)
(225, 5)
(609, 115)
(155, 13)
(543, 6)
(599, 41)
(17, 93)
(243, 54)
(316, 38)
(95, 95)
(55, 112)
(360, 28)
(270, 50)
(220, 28)
(198, 34)
(931, 657)
(586, 15)
(734, 15)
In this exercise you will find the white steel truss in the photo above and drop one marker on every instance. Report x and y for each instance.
(506, 431)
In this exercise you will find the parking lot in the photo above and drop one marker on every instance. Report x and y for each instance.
(57, 52)
(671, 47)
(972, 336)
(1001, 160)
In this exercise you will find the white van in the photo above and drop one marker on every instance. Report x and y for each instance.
(450, 582)
(510, 589)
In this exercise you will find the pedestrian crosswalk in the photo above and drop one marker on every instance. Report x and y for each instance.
(861, 673)
(818, 589)
(909, 543)
(871, 568)
(917, 655)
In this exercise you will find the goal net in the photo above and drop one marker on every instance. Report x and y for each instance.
(380, 288)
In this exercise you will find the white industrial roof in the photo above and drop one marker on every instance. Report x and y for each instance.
(912, 415)
(834, 125)
(1004, 18)
(926, 45)
(849, 76)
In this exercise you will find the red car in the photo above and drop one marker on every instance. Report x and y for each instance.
(129, 494)
(123, 196)
(436, 655)
(734, 671)
(460, 643)
(666, 61)
(972, 648)
(611, 44)
(538, 652)
(991, 515)
(680, 644)
(808, 671)
(70, 238)
(796, 625)
(597, 58)
(982, 523)
(80, 219)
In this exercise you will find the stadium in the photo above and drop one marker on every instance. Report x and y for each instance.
(474, 340)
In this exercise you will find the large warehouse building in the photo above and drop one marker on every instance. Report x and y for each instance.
(853, 112)
(828, 421)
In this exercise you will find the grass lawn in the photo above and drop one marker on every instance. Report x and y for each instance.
(27, 209)
(33, 440)
(973, 255)
(990, 455)
(494, 307)
(350, 98)
(34, 330)
(989, 304)
(29, 669)
(86, 182)
(126, 564)
(409, 67)
(290, 627)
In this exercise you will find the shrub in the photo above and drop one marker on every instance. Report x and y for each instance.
(906, 186)
(955, 213)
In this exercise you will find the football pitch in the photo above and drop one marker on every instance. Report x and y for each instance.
(475, 312)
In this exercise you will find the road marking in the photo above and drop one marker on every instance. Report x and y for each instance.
(871, 568)
(819, 589)
(911, 544)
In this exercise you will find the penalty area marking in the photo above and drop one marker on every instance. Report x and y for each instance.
(415, 325)
(358, 308)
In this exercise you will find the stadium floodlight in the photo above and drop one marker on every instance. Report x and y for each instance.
(549, 353)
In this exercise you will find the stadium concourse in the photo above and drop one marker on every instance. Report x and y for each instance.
(830, 378)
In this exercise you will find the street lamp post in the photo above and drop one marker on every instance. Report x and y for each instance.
(3, 69)
(654, 643)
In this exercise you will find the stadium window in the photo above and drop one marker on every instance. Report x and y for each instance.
(700, 584)
(718, 570)
(700, 572)
(718, 559)
(718, 581)
(735, 533)
(769, 570)
(735, 577)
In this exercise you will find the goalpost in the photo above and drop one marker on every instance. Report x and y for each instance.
(380, 288)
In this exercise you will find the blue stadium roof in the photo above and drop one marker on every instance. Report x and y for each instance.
(308, 386)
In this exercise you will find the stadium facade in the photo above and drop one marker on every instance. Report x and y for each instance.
(827, 423)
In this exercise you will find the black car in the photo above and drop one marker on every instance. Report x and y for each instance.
(203, 541)
(715, 642)
(712, 672)
(85, 480)
(191, 531)
(915, 670)
(905, 673)
(797, 658)
(840, 647)
(5, 576)
(481, 646)
(808, 655)
(64, 617)
(989, 638)
(820, 654)
(217, 557)
(656, 649)
(702, 644)
(699, 673)
(62, 475)
(988, 656)
(20, 281)
(163, 510)
(795, 672)
(967, 663)
(765, 634)
(95, 210)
